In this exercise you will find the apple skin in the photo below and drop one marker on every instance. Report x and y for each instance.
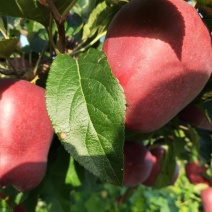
(160, 57)
(157, 156)
(194, 173)
(25, 134)
(137, 163)
(206, 196)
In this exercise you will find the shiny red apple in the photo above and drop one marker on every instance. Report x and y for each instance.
(160, 51)
(25, 134)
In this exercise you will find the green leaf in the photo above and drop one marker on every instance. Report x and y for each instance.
(72, 177)
(66, 173)
(25, 9)
(84, 8)
(38, 41)
(31, 9)
(2, 28)
(73, 24)
(33, 26)
(86, 106)
(58, 180)
(7, 47)
(99, 20)
(54, 199)
(87, 179)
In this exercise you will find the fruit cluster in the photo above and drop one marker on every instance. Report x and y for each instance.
(162, 61)
(162, 67)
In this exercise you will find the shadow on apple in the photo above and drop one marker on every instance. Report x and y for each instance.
(24, 177)
(161, 100)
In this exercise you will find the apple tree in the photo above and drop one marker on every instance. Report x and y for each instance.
(105, 103)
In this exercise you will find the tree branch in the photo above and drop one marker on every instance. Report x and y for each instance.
(55, 13)
(61, 40)
(60, 25)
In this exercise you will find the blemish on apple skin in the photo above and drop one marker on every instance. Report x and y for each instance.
(63, 135)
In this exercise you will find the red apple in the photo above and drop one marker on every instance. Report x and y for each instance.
(206, 196)
(194, 173)
(157, 157)
(25, 134)
(137, 163)
(160, 57)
